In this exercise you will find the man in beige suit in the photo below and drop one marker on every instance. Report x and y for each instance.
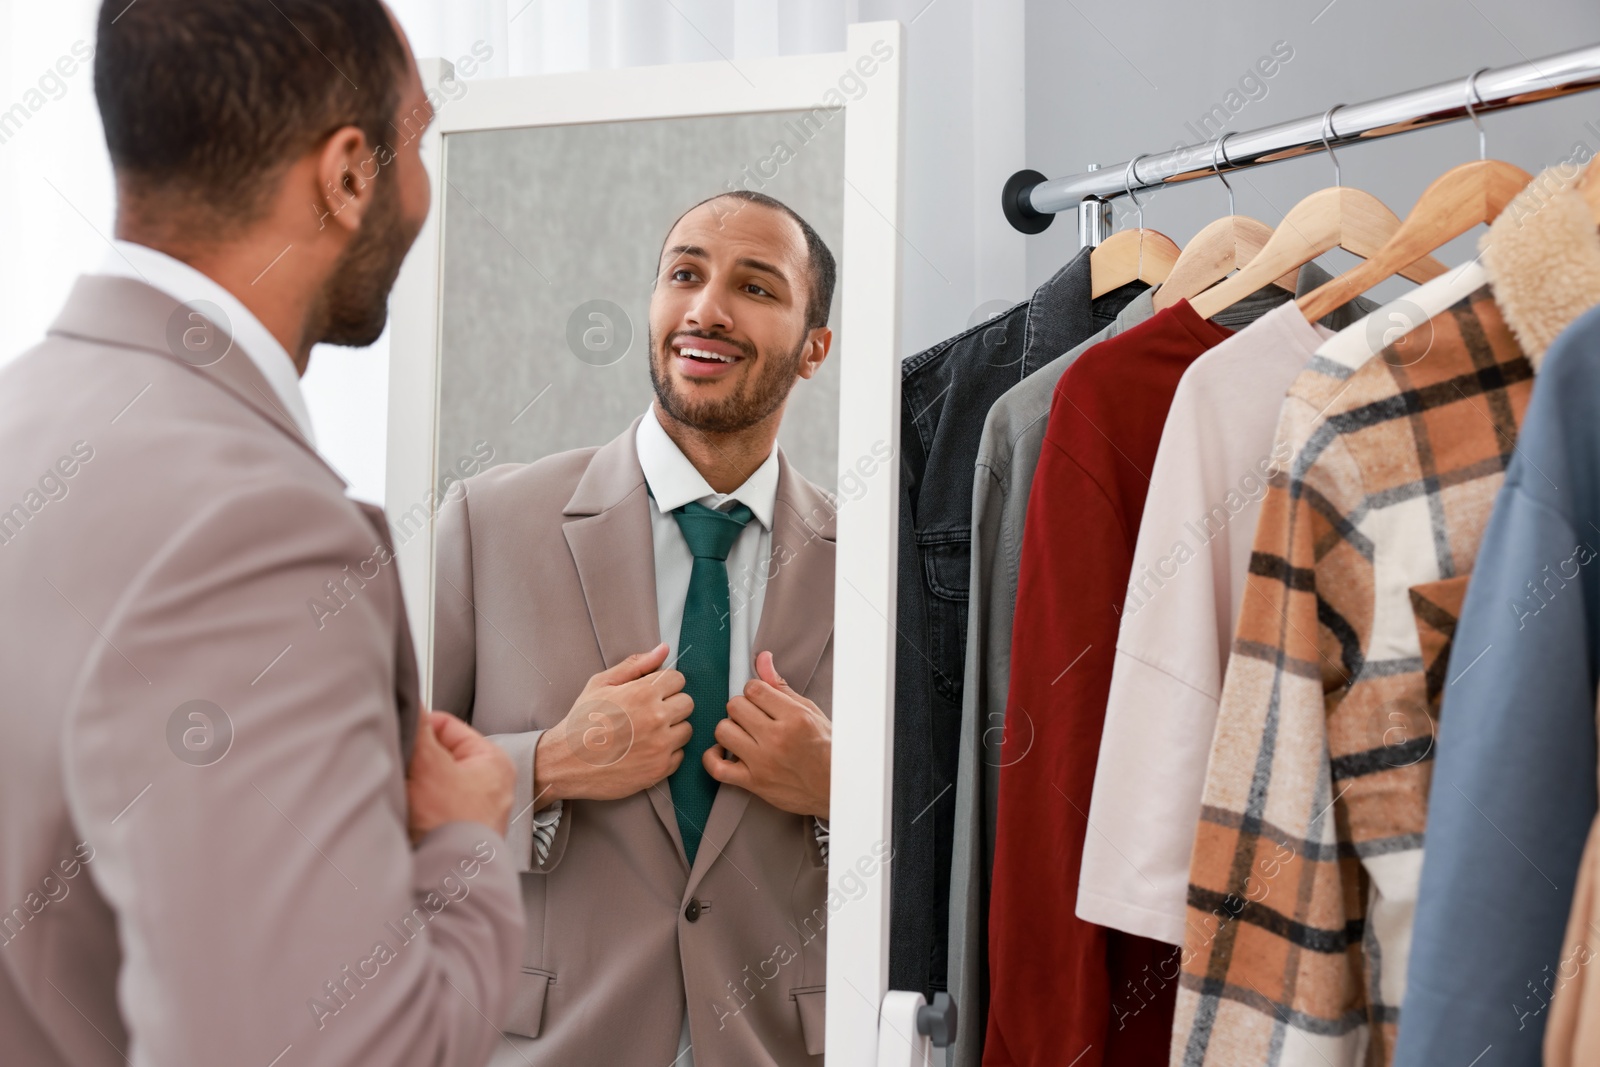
(675, 897)
(204, 853)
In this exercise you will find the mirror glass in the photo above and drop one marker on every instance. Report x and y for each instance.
(659, 915)
(550, 256)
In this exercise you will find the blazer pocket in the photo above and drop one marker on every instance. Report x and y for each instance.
(809, 1001)
(527, 1002)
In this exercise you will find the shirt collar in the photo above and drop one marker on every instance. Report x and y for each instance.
(187, 285)
(674, 482)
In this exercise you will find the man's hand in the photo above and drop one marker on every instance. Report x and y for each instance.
(625, 733)
(783, 741)
(456, 775)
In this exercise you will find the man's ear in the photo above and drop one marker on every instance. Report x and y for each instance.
(346, 167)
(818, 341)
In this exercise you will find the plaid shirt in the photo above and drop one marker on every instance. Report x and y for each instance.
(1306, 863)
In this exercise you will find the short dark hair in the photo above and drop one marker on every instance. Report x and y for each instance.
(212, 100)
(820, 265)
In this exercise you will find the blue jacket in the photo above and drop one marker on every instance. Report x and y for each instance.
(1514, 785)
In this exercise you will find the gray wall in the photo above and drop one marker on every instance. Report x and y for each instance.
(540, 222)
(1108, 82)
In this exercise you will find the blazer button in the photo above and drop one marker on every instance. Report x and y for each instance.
(692, 912)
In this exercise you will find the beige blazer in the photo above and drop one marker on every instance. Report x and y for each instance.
(546, 577)
(203, 851)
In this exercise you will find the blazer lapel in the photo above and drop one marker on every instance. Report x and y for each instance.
(796, 623)
(797, 611)
(611, 544)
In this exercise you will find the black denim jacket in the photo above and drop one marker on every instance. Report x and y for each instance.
(945, 392)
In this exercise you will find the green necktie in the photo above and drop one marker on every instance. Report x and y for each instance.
(703, 653)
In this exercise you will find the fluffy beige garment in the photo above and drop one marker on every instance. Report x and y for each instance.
(1543, 255)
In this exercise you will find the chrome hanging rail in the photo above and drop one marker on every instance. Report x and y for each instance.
(1030, 200)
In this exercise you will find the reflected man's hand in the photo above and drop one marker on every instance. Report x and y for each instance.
(784, 744)
(625, 733)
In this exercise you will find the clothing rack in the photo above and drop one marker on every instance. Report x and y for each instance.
(1030, 199)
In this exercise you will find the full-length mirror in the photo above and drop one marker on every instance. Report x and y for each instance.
(662, 394)
(646, 364)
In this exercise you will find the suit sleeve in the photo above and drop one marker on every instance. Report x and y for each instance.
(234, 760)
(538, 841)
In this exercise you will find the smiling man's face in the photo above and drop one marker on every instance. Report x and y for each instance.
(728, 335)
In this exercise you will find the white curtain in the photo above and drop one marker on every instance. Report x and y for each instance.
(963, 55)
(549, 36)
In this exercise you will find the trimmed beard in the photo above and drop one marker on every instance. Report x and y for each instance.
(356, 300)
(754, 400)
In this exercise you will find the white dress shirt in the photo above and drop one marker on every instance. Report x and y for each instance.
(185, 284)
(673, 483)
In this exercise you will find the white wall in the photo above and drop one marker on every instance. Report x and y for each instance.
(964, 137)
(55, 182)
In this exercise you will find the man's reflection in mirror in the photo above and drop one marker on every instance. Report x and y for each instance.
(646, 628)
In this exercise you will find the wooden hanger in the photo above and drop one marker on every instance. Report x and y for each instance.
(1216, 251)
(1459, 199)
(1212, 254)
(1137, 255)
(1131, 256)
(1337, 217)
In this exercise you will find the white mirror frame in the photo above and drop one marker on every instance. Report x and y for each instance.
(869, 414)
